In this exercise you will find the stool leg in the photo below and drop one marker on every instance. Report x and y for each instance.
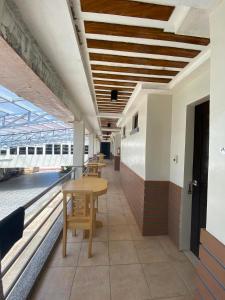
(64, 225)
(90, 242)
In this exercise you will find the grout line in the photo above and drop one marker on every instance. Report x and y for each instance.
(76, 267)
(142, 268)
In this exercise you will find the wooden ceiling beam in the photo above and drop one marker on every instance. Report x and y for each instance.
(141, 32)
(128, 8)
(113, 107)
(109, 99)
(109, 102)
(137, 60)
(120, 89)
(133, 70)
(141, 48)
(110, 111)
(108, 93)
(112, 102)
(110, 82)
(132, 78)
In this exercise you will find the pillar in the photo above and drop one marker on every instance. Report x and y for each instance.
(78, 152)
(91, 146)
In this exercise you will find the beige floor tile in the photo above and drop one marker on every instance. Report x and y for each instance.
(119, 232)
(130, 219)
(103, 217)
(186, 297)
(101, 235)
(187, 272)
(56, 283)
(136, 233)
(165, 273)
(73, 251)
(122, 252)
(170, 249)
(164, 280)
(113, 200)
(128, 283)
(100, 254)
(91, 283)
(102, 206)
(75, 239)
(149, 251)
(117, 218)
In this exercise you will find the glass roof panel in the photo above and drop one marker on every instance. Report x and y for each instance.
(19, 116)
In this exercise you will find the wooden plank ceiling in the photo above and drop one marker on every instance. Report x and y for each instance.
(122, 54)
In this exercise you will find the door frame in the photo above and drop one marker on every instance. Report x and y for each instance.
(186, 199)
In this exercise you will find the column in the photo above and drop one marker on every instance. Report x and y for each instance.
(91, 146)
(96, 147)
(78, 141)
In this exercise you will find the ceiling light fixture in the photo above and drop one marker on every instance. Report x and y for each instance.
(114, 95)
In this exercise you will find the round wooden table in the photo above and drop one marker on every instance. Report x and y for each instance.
(100, 165)
(94, 184)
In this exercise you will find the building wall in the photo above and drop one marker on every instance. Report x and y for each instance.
(133, 147)
(27, 161)
(115, 143)
(145, 162)
(158, 137)
(192, 89)
(216, 196)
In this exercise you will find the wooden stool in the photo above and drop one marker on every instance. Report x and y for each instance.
(82, 216)
(92, 170)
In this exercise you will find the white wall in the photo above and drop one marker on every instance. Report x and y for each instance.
(158, 137)
(133, 147)
(216, 180)
(192, 89)
(27, 161)
(188, 93)
(115, 143)
(147, 152)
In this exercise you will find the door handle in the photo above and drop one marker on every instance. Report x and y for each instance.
(190, 186)
(195, 182)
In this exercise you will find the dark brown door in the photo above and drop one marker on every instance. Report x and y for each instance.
(200, 174)
(105, 149)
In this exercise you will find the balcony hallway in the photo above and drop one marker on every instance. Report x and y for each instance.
(125, 265)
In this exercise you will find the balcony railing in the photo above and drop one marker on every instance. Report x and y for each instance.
(43, 224)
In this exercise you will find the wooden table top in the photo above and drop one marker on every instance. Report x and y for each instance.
(101, 154)
(100, 165)
(95, 184)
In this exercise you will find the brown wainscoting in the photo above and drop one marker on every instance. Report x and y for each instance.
(148, 201)
(116, 162)
(174, 207)
(134, 189)
(156, 208)
(211, 268)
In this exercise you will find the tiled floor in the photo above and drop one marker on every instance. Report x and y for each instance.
(125, 265)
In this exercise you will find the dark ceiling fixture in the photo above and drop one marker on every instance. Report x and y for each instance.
(114, 95)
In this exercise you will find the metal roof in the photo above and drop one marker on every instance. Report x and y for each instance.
(23, 123)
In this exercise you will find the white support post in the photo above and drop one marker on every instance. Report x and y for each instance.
(78, 148)
(97, 146)
(91, 146)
